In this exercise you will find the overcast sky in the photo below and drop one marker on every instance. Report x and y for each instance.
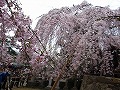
(35, 8)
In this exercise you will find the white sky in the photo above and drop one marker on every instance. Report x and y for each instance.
(35, 8)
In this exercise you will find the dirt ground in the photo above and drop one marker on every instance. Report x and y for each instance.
(25, 89)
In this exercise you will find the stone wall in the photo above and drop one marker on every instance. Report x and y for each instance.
(100, 83)
(67, 84)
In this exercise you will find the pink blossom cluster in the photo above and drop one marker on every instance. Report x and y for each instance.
(83, 35)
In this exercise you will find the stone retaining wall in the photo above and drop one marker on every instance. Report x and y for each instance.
(100, 83)
(68, 84)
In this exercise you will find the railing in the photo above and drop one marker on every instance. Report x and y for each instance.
(17, 82)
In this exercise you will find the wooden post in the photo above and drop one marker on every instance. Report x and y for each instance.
(56, 81)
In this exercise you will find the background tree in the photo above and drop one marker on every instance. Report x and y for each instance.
(14, 32)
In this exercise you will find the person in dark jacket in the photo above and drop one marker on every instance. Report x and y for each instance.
(3, 79)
